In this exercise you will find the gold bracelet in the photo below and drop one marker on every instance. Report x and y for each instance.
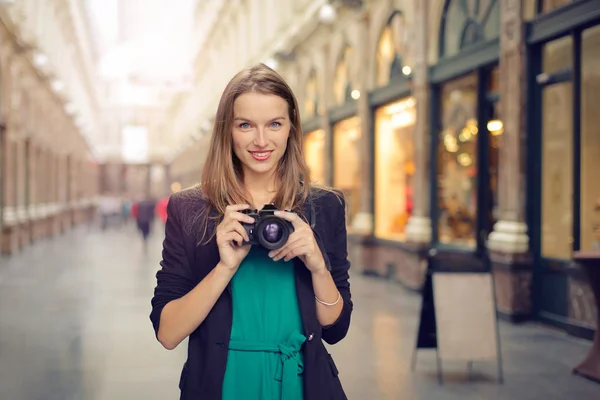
(329, 304)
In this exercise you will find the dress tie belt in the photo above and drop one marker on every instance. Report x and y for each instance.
(291, 364)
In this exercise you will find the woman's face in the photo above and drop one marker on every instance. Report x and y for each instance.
(261, 127)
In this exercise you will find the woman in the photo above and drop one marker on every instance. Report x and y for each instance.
(255, 318)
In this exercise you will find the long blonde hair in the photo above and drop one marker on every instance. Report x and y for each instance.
(222, 176)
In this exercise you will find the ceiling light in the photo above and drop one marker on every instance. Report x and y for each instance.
(327, 13)
(57, 85)
(40, 59)
(355, 94)
(406, 70)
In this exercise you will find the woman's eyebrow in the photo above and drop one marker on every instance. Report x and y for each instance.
(247, 120)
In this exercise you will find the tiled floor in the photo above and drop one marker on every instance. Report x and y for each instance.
(74, 325)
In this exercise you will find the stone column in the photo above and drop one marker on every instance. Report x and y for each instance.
(363, 221)
(418, 229)
(509, 243)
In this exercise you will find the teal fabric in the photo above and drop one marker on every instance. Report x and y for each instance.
(265, 351)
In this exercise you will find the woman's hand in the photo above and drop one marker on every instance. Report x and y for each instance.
(301, 243)
(231, 234)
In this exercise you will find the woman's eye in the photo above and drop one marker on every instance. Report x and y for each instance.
(275, 124)
(244, 125)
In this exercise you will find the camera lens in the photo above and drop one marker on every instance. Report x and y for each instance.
(272, 232)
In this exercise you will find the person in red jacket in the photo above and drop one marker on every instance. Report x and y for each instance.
(161, 209)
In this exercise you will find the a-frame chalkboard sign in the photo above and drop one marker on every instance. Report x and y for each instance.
(458, 318)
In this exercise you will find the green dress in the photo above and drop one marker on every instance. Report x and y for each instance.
(265, 359)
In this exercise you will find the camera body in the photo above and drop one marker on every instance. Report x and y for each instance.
(268, 230)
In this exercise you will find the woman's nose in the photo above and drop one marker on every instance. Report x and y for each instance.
(260, 140)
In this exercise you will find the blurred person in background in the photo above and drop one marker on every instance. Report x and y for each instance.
(256, 319)
(161, 209)
(143, 212)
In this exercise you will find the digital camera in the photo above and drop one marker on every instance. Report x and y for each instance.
(268, 230)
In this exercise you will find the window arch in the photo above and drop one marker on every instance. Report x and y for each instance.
(311, 95)
(391, 50)
(467, 22)
(342, 85)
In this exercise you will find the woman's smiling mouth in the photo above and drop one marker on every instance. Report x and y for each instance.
(261, 155)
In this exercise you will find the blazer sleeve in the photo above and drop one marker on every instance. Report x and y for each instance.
(175, 278)
(337, 254)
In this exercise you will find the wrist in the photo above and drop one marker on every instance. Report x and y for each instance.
(225, 270)
(320, 271)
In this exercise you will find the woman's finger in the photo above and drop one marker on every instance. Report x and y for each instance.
(236, 226)
(292, 217)
(278, 254)
(237, 216)
(297, 251)
(234, 237)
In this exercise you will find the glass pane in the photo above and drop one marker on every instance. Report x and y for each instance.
(314, 153)
(394, 167)
(455, 20)
(529, 9)
(346, 159)
(467, 22)
(392, 44)
(492, 20)
(495, 128)
(457, 163)
(557, 171)
(558, 55)
(590, 139)
(341, 79)
(550, 5)
(310, 96)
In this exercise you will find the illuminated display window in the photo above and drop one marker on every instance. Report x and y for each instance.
(346, 159)
(314, 153)
(590, 139)
(394, 167)
(457, 163)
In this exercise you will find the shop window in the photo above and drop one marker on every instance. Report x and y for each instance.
(394, 167)
(391, 50)
(590, 140)
(346, 158)
(557, 154)
(457, 163)
(342, 86)
(466, 23)
(495, 130)
(311, 93)
(314, 153)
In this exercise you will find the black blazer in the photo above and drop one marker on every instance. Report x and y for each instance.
(185, 263)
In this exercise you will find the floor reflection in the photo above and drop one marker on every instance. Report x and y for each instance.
(74, 325)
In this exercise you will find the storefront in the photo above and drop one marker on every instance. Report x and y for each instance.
(314, 141)
(564, 206)
(394, 114)
(465, 132)
(346, 135)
